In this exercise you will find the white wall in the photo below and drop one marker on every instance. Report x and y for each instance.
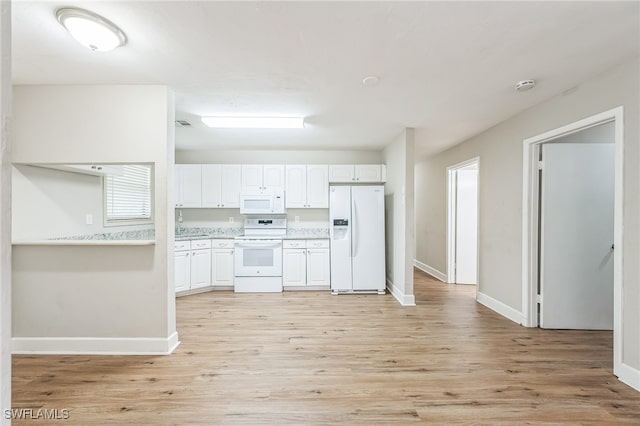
(278, 157)
(500, 186)
(114, 298)
(399, 216)
(5, 208)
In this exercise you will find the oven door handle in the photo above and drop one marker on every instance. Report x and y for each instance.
(258, 245)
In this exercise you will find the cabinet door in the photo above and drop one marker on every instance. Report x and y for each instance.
(200, 268)
(211, 185)
(273, 177)
(222, 267)
(368, 173)
(191, 185)
(296, 191)
(317, 186)
(252, 178)
(230, 177)
(177, 180)
(341, 173)
(318, 270)
(182, 270)
(294, 267)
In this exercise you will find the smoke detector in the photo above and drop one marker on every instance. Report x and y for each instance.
(524, 85)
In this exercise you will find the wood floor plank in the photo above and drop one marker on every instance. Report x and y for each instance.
(312, 358)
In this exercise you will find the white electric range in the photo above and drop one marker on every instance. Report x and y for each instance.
(258, 255)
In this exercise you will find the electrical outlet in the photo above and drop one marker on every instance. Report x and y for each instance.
(89, 219)
(296, 219)
(231, 219)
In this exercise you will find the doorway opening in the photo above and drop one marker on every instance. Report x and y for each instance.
(462, 222)
(572, 221)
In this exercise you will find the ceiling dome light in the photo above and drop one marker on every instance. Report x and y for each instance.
(91, 30)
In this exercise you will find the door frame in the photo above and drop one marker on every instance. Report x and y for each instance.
(530, 205)
(452, 214)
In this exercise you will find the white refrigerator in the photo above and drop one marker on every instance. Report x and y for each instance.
(356, 227)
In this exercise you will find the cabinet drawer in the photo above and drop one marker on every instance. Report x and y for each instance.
(293, 244)
(182, 245)
(200, 244)
(317, 243)
(222, 244)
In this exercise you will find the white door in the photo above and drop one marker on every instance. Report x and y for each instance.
(211, 185)
(230, 183)
(467, 225)
(296, 191)
(576, 237)
(340, 237)
(251, 178)
(222, 267)
(200, 268)
(367, 236)
(318, 267)
(317, 186)
(294, 267)
(182, 270)
(273, 177)
(191, 185)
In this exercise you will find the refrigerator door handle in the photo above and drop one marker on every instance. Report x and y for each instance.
(354, 222)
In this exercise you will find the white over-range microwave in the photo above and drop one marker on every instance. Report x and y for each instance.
(269, 203)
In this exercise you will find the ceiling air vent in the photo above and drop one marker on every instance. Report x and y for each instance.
(182, 123)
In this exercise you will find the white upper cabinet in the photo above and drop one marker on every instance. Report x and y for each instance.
(296, 192)
(358, 173)
(221, 185)
(370, 173)
(318, 186)
(258, 178)
(307, 186)
(342, 173)
(188, 185)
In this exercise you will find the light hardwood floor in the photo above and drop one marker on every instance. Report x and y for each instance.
(310, 358)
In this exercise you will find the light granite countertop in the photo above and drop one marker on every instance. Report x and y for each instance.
(224, 233)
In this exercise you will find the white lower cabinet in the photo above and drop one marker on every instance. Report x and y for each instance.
(203, 263)
(183, 270)
(294, 267)
(305, 263)
(222, 263)
(200, 263)
(318, 269)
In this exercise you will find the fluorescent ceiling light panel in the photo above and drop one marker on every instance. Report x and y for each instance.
(254, 122)
(91, 30)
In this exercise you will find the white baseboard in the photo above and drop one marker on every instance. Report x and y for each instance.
(499, 307)
(430, 270)
(629, 376)
(404, 299)
(95, 346)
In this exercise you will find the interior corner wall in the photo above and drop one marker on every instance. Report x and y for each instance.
(96, 299)
(500, 149)
(5, 209)
(398, 156)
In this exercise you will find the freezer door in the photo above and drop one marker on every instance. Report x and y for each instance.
(340, 235)
(368, 237)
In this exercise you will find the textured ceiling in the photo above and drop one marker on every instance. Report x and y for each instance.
(447, 69)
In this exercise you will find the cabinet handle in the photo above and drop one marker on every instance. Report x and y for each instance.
(187, 253)
(222, 205)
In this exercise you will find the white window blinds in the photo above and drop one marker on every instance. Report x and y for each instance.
(128, 196)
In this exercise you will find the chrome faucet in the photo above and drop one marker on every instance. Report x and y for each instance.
(180, 222)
